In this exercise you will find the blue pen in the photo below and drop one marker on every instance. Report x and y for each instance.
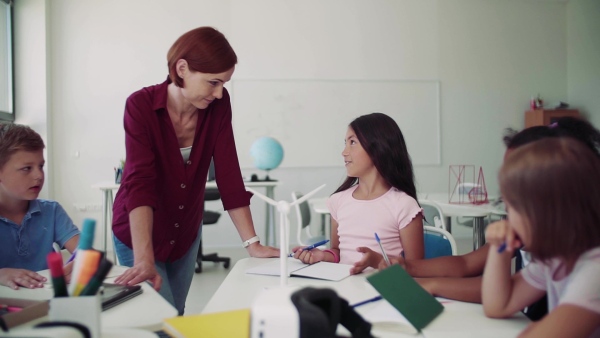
(502, 247)
(371, 300)
(387, 260)
(310, 247)
(72, 257)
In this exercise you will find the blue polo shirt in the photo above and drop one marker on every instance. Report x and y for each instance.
(25, 246)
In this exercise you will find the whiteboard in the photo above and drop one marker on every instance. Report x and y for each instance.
(310, 117)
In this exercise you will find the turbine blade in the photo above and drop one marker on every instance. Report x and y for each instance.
(261, 196)
(307, 196)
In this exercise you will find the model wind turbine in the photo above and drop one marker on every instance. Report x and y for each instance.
(283, 207)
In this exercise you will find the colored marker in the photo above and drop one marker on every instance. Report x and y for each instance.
(387, 260)
(59, 284)
(90, 262)
(86, 241)
(96, 281)
(370, 300)
(310, 247)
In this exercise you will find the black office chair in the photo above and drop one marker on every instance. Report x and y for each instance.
(210, 217)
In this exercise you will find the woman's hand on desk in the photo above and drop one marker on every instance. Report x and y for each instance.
(261, 251)
(140, 272)
(13, 278)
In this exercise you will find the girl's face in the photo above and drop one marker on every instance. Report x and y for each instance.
(22, 177)
(519, 223)
(201, 89)
(357, 161)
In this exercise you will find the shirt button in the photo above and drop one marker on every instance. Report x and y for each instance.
(180, 207)
(182, 186)
(177, 225)
(172, 242)
(188, 162)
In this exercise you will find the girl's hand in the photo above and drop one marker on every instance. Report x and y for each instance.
(262, 251)
(501, 234)
(393, 260)
(308, 256)
(370, 258)
(13, 278)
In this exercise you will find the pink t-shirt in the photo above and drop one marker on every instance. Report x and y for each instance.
(359, 220)
(581, 287)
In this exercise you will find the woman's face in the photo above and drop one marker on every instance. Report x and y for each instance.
(357, 161)
(201, 89)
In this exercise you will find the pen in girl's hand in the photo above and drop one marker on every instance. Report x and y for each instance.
(502, 247)
(310, 247)
(387, 260)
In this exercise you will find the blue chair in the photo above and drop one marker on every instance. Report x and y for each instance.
(438, 242)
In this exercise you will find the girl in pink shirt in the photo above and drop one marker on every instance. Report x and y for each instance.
(378, 196)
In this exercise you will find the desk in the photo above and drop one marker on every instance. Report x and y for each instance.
(144, 312)
(107, 189)
(478, 211)
(459, 319)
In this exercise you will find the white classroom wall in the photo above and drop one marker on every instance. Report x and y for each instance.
(77, 67)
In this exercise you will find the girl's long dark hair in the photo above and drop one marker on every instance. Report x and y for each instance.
(382, 139)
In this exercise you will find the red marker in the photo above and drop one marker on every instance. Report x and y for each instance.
(55, 262)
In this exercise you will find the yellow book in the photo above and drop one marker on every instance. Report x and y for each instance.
(230, 324)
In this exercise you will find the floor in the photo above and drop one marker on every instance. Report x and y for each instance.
(205, 284)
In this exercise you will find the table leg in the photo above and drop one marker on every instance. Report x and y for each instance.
(478, 232)
(104, 216)
(269, 224)
(108, 225)
(448, 224)
(323, 225)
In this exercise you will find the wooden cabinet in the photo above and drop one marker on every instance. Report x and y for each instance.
(544, 117)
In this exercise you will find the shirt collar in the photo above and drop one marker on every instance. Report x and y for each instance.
(160, 96)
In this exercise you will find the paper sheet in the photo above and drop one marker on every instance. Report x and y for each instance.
(295, 267)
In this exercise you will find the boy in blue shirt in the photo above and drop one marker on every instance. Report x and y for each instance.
(28, 226)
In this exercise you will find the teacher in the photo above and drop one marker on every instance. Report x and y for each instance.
(172, 131)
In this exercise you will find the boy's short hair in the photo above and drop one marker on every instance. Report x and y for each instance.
(15, 137)
(555, 184)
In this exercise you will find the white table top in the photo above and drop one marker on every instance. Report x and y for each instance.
(145, 311)
(210, 184)
(467, 210)
(458, 319)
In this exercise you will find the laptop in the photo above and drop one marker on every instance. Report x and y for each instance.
(114, 294)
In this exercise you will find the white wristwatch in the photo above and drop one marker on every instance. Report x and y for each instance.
(250, 241)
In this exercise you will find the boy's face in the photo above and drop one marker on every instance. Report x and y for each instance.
(22, 177)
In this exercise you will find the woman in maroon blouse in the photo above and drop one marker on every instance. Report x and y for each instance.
(172, 131)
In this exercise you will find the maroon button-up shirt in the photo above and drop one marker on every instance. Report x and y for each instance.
(156, 175)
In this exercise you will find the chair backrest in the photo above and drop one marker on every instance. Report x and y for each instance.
(432, 214)
(438, 242)
(303, 216)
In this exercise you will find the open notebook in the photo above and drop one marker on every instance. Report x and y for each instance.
(322, 270)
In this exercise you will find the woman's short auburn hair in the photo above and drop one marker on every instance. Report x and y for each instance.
(554, 183)
(205, 49)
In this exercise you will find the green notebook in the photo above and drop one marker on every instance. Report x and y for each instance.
(397, 287)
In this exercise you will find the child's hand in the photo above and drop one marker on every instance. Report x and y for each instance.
(13, 278)
(501, 234)
(308, 256)
(370, 258)
(393, 260)
(68, 270)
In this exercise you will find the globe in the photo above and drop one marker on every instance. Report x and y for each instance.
(267, 153)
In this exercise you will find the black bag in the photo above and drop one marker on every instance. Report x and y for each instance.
(320, 312)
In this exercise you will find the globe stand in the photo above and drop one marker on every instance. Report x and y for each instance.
(268, 179)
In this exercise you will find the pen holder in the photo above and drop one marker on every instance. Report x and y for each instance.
(84, 310)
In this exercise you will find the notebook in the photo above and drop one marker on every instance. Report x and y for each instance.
(396, 286)
(114, 294)
(230, 324)
(321, 270)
